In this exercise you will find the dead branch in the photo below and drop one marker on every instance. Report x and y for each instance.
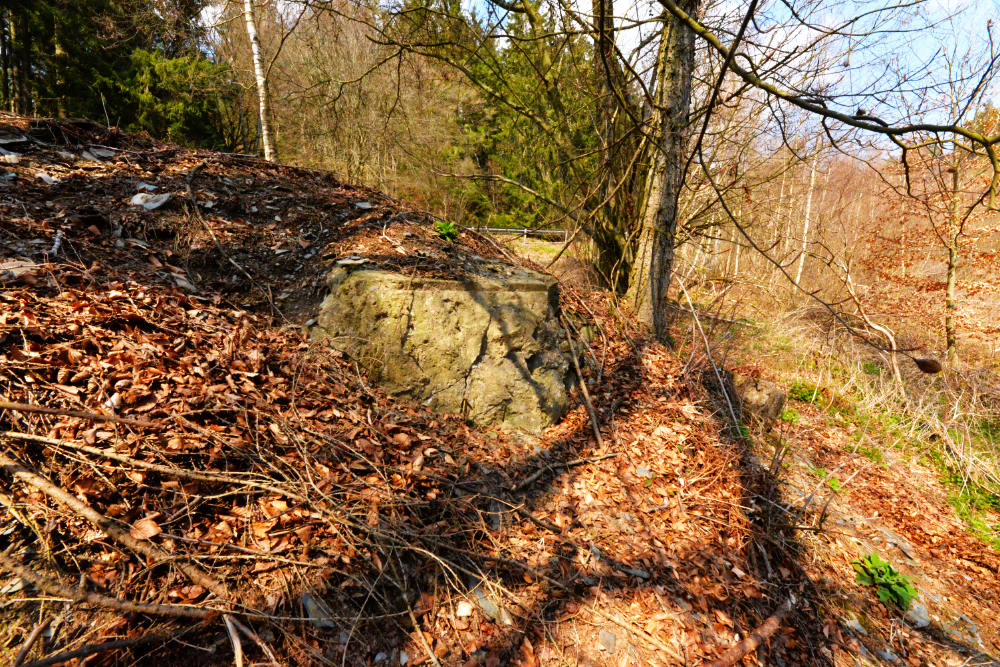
(250, 634)
(113, 530)
(541, 523)
(36, 632)
(92, 416)
(755, 638)
(420, 635)
(234, 638)
(583, 386)
(155, 467)
(552, 467)
(80, 596)
(91, 649)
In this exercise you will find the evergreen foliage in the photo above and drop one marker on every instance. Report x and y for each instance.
(138, 65)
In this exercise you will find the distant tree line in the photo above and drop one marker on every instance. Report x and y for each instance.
(698, 137)
(135, 64)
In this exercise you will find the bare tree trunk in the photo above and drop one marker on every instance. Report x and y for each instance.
(779, 230)
(736, 253)
(805, 223)
(59, 59)
(20, 37)
(5, 64)
(266, 135)
(650, 278)
(950, 304)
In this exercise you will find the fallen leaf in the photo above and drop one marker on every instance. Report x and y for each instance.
(143, 529)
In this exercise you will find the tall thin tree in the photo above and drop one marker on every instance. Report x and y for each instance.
(263, 96)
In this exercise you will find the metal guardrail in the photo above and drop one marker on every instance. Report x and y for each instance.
(522, 231)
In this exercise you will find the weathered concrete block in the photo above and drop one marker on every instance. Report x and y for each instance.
(486, 346)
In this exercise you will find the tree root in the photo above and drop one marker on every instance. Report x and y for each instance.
(760, 634)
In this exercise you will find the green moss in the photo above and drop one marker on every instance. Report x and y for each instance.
(988, 430)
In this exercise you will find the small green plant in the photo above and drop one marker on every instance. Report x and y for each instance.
(873, 454)
(833, 482)
(871, 368)
(791, 415)
(804, 391)
(447, 229)
(890, 586)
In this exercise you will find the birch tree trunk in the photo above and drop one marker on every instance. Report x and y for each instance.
(650, 277)
(266, 135)
(5, 59)
(805, 224)
(736, 253)
(59, 62)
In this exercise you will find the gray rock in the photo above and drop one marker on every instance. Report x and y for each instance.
(487, 346)
(318, 611)
(491, 609)
(761, 401)
(852, 623)
(917, 615)
(149, 201)
(887, 655)
(607, 640)
(102, 153)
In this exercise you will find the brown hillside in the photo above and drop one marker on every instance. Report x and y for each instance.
(186, 477)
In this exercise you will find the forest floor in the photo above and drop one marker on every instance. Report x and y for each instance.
(187, 478)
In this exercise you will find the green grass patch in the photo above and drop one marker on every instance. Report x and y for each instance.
(791, 416)
(831, 480)
(807, 392)
(989, 430)
(871, 368)
(979, 508)
(446, 229)
(873, 454)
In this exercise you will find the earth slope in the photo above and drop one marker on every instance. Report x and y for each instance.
(187, 478)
